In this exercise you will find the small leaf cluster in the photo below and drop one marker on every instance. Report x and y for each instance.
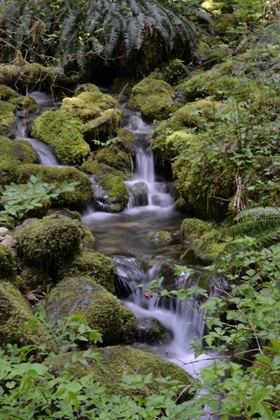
(20, 199)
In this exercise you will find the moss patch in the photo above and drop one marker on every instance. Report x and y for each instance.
(115, 361)
(116, 193)
(115, 157)
(63, 132)
(154, 98)
(93, 265)
(7, 264)
(13, 154)
(203, 238)
(49, 242)
(81, 295)
(73, 200)
(160, 236)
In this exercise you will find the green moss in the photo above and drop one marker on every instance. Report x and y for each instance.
(54, 175)
(27, 104)
(48, 242)
(63, 133)
(160, 236)
(174, 71)
(115, 157)
(13, 154)
(154, 98)
(23, 74)
(88, 104)
(94, 265)
(198, 114)
(218, 87)
(126, 140)
(95, 168)
(117, 194)
(6, 117)
(14, 313)
(117, 360)
(81, 295)
(7, 264)
(7, 93)
(129, 330)
(203, 238)
(103, 127)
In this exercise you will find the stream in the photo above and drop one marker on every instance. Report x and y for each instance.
(139, 261)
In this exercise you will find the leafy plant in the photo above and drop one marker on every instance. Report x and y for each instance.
(20, 199)
(31, 388)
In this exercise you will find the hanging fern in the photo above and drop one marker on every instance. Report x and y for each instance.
(104, 29)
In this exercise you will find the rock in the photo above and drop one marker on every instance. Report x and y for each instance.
(139, 194)
(3, 231)
(110, 193)
(117, 360)
(8, 241)
(82, 295)
(7, 263)
(161, 236)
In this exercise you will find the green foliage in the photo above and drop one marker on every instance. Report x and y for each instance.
(70, 30)
(20, 200)
(31, 388)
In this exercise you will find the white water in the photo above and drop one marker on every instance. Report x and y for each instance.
(44, 152)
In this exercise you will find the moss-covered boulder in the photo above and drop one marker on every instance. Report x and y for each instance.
(115, 157)
(6, 118)
(203, 238)
(83, 296)
(152, 331)
(7, 264)
(103, 127)
(63, 132)
(92, 167)
(13, 154)
(14, 313)
(161, 236)
(7, 93)
(49, 242)
(210, 83)
(154, 99)
(25, 105)
(92, 264)
(88, 103)
(110, 193)
(56, 175)
(117, 360)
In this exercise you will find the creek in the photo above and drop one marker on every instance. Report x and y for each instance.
(139, 261)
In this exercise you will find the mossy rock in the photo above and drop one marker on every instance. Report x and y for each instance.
(23, 74)
(26, 104)
(130, 329)
(203, 238)
(198, 114)
(6, 118)
(83, 296)
(63, 132)
(117, 360)
(89, 103)
(167, 146)
(7, 93)
(7, 264)
(152, 331)
(122, 84)
(174, 71)
(56, 176)
(161, 236)
(104, 126)
(13, 154)
(49, 242)
(91, 264)
(126, 140)
(115, 157)
(154, 99)
(218, 87)
(113, 195)
(14, 313)
(92, 167)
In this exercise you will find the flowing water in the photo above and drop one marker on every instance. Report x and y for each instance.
(139, 261)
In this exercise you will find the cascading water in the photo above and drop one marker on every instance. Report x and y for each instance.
(45, 154)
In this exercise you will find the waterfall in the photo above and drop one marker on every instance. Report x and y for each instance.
(144, 182)
(44, 152)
